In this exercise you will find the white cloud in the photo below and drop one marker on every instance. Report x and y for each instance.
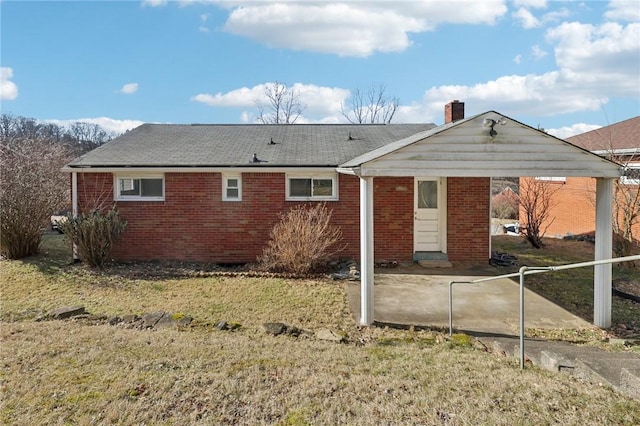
(8, 89)
(540, 95)
(203, 20)
(537, 4)
(594, 63)
(108, 124)
(575, 129)
(603, 58)
(526, 18)
(154, 3)
(320, 101)
(129, 88)
(350, 28)
(623, 10)
(537, 52)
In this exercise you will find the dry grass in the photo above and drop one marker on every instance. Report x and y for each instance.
(68, 372)
(572, 289)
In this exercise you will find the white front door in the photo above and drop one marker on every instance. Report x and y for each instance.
(428, 205)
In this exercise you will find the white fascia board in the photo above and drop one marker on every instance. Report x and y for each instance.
(621, 151)
(354, 171)
(198, 169)
(488, 172)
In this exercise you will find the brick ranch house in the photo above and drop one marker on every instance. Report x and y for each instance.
(398, 191)
(572, 211)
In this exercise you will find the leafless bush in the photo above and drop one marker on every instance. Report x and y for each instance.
(301, 240)
(505, 205)
(94, 234)
(32, 187)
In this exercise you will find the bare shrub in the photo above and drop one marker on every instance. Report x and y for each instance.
(504, 205)
(536, 200)
(94, 234)
(301, 240)
(32, 187)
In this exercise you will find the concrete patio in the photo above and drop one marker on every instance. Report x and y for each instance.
(412, 295)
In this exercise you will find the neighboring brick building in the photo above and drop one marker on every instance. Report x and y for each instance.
(213, 192)
(572, 209)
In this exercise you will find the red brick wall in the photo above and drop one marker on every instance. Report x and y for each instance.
(572, 209)
(393, 218)
(468, 219)
(193, 223)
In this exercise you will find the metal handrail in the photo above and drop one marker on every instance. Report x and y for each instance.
(529, 270)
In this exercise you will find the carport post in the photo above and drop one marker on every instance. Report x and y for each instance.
(603, 250)
(366, 250)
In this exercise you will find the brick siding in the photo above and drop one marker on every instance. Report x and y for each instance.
(193, 223)
(572, 209)
(468, 219)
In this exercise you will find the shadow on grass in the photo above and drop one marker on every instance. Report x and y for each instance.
(572, 289)
(55, 254)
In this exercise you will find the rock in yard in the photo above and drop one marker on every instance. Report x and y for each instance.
(223, 325)
(326, 334)
(277, 328)
(67, 312)
(173, 321)
(150, 320)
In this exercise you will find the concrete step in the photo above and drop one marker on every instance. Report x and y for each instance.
(435, 263)
(620, 370)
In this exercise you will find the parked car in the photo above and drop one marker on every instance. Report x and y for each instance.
(511, 228)
(57, 218)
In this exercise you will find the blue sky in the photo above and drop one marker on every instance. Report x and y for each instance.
(566, 66)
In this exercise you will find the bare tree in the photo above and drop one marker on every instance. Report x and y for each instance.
(626, 212)
(31, 188)
(626, 190)
(371, 107)
(88, 135)
(282, 105)
(80, 137)
(536, 200)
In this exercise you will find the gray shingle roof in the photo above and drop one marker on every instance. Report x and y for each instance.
(297, 145)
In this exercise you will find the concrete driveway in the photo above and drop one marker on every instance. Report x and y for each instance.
(412, 295)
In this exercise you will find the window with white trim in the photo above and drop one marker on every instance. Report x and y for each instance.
(231, 187)
(139, 188)
(315, 187)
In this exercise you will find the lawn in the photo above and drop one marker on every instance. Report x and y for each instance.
(572, 288)
(89, 372)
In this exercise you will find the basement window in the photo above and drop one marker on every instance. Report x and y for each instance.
(232, 188)
(139, 188)
(316, 187)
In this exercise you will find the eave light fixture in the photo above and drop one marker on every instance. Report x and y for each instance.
(490, 122)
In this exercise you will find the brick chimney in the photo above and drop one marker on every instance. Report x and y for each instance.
(453, 111)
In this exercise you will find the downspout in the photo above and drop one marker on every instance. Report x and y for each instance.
(74, 209)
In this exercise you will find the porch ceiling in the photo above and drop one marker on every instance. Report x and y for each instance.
(465, 148)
